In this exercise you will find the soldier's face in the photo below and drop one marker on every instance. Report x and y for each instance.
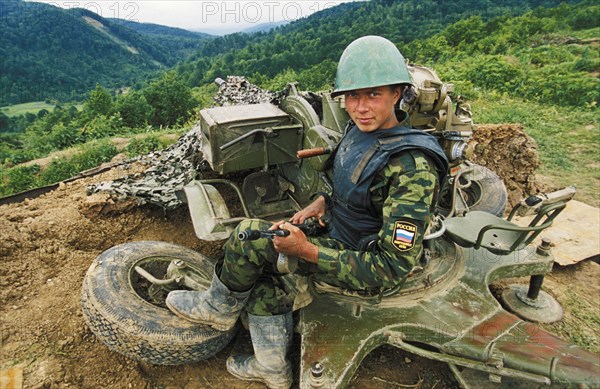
(373, 108)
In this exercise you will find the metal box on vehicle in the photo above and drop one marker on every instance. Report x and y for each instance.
(248, 136)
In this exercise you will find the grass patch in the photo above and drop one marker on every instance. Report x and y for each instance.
(591, 33)
(579, 323)
(69, 162)
(568, 139)
(144, 145)
(22, 178)
(21, 109)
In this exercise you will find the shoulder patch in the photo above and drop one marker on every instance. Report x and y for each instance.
(404, 236)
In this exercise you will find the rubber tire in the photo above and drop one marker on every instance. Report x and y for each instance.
(493, 195)
(129, 325)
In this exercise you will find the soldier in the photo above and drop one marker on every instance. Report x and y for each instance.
(386, 179)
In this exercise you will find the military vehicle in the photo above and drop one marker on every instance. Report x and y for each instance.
(267, 160)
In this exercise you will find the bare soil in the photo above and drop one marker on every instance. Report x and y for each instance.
(48, 243)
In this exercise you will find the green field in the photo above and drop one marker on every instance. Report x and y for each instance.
(20, 109)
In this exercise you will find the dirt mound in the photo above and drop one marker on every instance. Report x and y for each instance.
(46, 247)
(512, 154)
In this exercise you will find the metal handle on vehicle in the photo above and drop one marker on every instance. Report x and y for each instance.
(307, 153)
(240, 138)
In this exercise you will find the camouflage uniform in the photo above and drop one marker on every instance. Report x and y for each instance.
(405, 190)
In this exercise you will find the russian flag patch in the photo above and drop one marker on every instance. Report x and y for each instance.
(404, 235)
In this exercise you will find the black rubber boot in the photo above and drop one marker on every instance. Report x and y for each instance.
(217, 307)
(271, 338)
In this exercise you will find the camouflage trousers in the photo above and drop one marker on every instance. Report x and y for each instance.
(252, 264)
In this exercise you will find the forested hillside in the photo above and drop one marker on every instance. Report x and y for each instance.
(176, 43)
(319, 39)
(160, 31)
(516, 62)
(49, 52)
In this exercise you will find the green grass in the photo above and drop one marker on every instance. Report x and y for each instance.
(146, 144)
(592, 33)
(568, 139)
(22, 178)
(579, 324)
(20, 109)
(69, 162)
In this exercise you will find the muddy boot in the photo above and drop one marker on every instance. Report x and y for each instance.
(271, 338)
(217, 307)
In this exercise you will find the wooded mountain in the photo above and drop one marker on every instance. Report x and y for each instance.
(50, 52)
(157, 30)
(264, 27)
(322, 37)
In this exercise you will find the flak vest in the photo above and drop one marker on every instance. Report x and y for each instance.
(358, 158)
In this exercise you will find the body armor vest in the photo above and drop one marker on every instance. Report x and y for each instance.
(358, 158)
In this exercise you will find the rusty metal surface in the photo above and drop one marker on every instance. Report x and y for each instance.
(459, 320)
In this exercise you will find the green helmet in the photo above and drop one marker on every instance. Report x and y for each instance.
(369, 62)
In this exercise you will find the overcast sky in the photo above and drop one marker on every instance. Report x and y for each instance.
(202, 15)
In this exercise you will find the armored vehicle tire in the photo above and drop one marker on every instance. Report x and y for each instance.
(482, 190)
(129, 324)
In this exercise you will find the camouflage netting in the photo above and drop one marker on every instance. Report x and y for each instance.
(169, 170)
(512, 154)
(237, 90)
(172, 168)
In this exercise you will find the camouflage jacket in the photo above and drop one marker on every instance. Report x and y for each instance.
(404, 194)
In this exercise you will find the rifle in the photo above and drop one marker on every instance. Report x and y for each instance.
(284, 263)
(309, 229)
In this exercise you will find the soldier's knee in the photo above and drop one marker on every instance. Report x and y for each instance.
(252, 224)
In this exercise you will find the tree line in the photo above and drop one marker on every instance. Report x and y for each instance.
(49, 52)
(308, 42)
(166, 102)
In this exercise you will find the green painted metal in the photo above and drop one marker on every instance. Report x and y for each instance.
(543, 309)
(481, 229)
(320, 136)
(248, 136)
(208, 210)
(368, 62)
(306, 179)
(458, 320)
(334, 116)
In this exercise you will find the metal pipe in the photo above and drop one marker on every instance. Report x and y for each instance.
(153, 279)
(397, 341)
(535, 285)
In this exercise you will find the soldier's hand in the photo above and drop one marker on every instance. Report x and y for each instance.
(295, 243)
(316, 209)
